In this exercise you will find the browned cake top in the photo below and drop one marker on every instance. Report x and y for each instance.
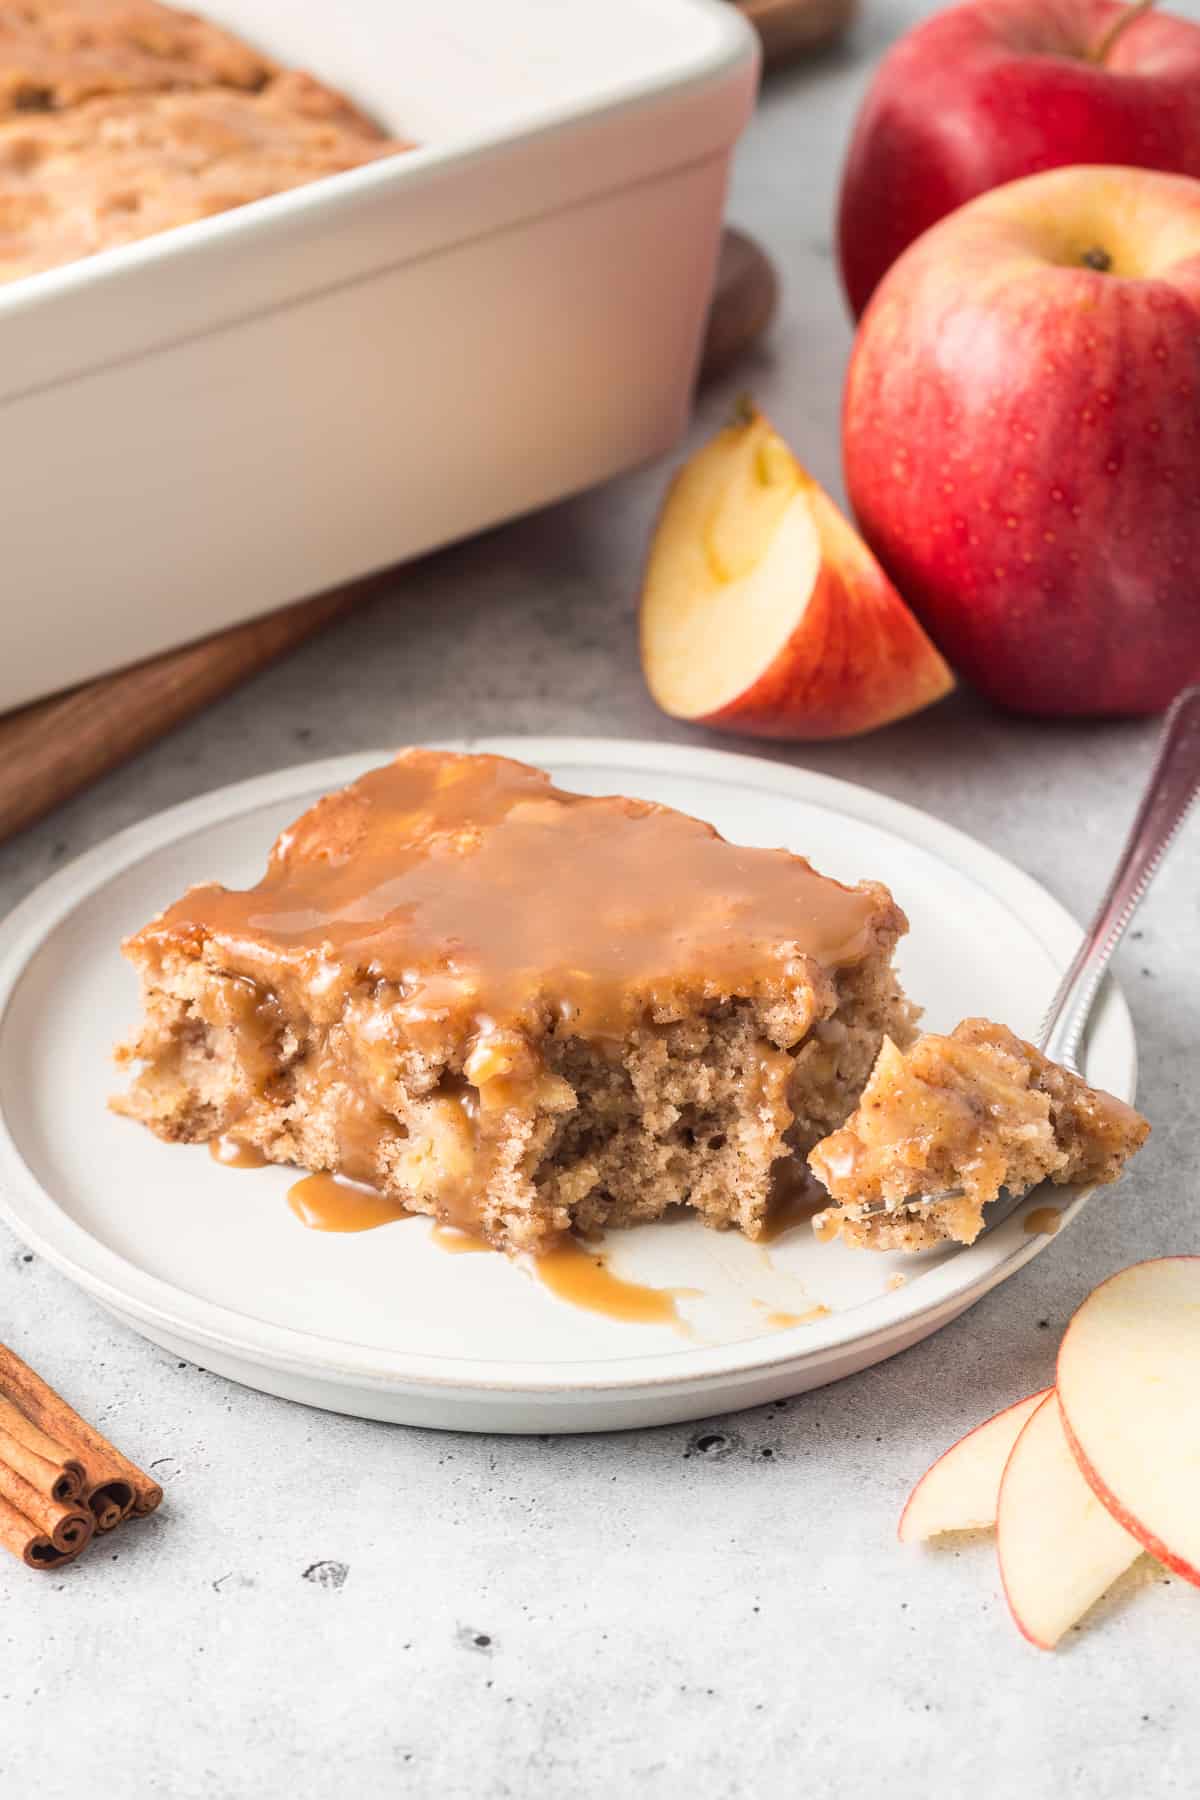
(122, 118)
(57, 53)
(121, 168)
(473, 884)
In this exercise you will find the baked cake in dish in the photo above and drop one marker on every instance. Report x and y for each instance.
(119, 120)
(518, 1009)
(58, 53)
(977, 1111)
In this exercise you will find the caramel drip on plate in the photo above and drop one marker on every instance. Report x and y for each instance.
(783, 1321)
(331, 1203)
(570, 1270)
(576, 1274)
(231, 1153)
(1043, 1220)
(796, 1199)
(457, 1242)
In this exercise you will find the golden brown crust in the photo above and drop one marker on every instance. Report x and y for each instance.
(59, 53)
(122, 118)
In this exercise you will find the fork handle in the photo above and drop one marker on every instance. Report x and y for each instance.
(1172, 787)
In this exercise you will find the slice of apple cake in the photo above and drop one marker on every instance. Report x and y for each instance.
(964, 1115)
(515, 1008)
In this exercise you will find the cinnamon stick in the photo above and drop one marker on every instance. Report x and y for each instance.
(110, 1500)
(48, 1465)
(114, 1487)
(20, 1536)
(61, 1482)
(67, 1527)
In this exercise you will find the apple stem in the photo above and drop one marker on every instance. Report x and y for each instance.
(1120, 24)
(1097, 259)
(744, 410)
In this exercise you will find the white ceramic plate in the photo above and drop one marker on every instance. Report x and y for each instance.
(210, 1262)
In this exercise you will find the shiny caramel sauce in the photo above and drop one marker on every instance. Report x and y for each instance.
(796, 1199)
(570, 1270)
(783, 1321)
(456, 1242)
(232, 1154)
(577, 1274)
(482, 895)
(333, 1203)
(1044, 1220)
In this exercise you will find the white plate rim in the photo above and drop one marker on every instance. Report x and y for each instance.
(36, 1218)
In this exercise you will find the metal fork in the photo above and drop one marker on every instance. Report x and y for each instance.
(1173, 785)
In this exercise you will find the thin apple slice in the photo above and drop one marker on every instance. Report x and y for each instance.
(763, 612)
(960, 1490)
(1059, 1547)
(1129, 1383)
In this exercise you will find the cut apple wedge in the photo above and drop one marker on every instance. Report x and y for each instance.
(1129, 1384)
(763, 612)
(1059, 1547)
(959, 1492)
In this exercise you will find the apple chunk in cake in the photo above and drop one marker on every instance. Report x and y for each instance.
(515, 1008)
(974, 1112)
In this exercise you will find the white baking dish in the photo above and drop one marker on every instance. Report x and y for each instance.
(244, 411)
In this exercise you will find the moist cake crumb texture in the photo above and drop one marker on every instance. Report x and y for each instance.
(979, 1110)
(122, 118)
(517, 1009)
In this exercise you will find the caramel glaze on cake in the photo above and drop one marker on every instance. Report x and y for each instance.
(516, 1008)
(122, 118)
(964, 1115)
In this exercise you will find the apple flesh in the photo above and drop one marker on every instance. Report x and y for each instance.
(987, 92)
(960, 1491)
(762, 610)
(1021, 442)
(1129, 1386)
(1058, 1546)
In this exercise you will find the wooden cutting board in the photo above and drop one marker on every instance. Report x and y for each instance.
(49, 750)
(794, 27)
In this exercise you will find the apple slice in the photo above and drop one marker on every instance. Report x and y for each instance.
(1059, 1547)
(763, 611)
(1129, 1381)
(960, 1490)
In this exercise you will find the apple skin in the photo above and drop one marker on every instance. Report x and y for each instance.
(1167, 1554)
(1022, 439)
(968, 1476)
(856, 661)
(841, 653)
(1058, 1546)
(992, 90)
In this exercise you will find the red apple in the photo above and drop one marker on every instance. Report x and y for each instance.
(960, 1490)
(1022, 438)
(995, 89)
(1129, 1381)
(1058, 1546)
(763, 612)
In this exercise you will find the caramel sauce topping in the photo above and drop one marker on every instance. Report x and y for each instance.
(232, 1154)
(485, 896)
(796, 1198)
(784, 1321)
(456, 1242)
(333, 1203)
(578, 1275)
(570, 1270)
(1043, 1221)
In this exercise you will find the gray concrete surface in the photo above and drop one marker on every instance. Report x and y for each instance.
(325, 1606)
